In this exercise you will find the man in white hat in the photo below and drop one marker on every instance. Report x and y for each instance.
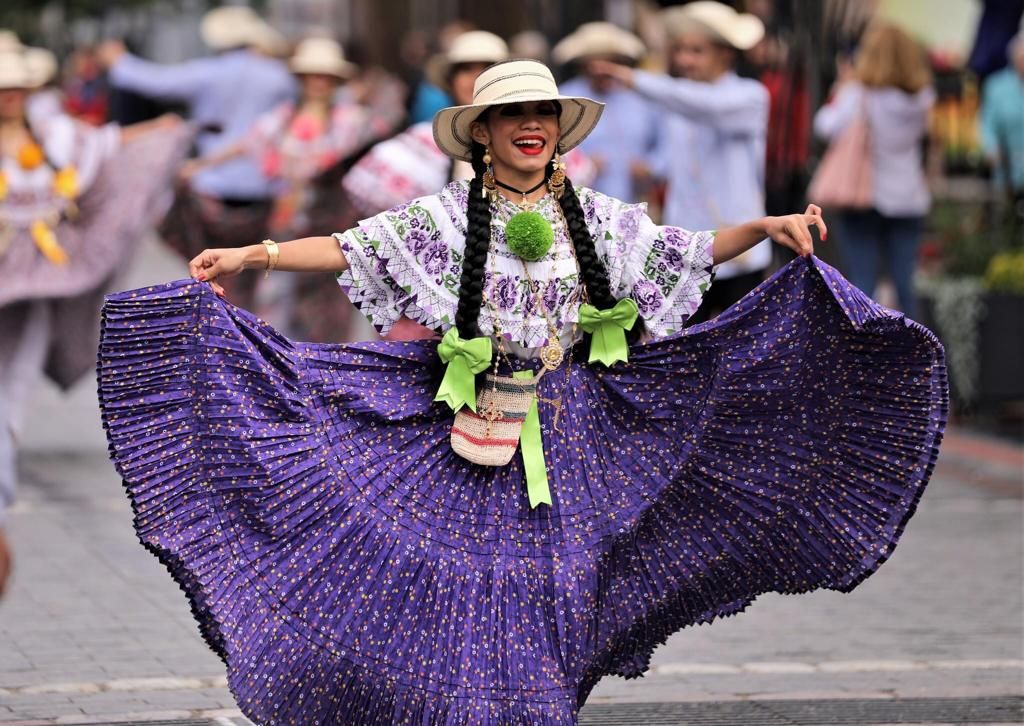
(713, 130)
(628, 129)
(224, 93)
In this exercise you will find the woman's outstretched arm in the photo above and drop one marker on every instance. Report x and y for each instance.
(308, 254)
(792, 231)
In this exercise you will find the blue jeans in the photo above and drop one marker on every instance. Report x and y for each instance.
(867, 236)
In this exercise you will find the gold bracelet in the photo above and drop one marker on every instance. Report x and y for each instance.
(273, 254)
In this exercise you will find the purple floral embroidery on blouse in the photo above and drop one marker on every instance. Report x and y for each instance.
(379, 265)
(505, 293)
(647, 296)
(435, 259)
(674, 258)
(675, 237)
(529, 298)
(416, 239)
(664, 269)
(551, 295)
(629, 224)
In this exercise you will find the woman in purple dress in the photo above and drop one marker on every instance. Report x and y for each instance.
(357, 554)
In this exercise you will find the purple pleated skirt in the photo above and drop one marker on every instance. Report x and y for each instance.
(350, 568)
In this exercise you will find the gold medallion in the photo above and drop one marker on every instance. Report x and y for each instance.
(551, 355)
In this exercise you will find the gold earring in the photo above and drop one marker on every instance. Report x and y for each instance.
(489, 187)
(556, 183)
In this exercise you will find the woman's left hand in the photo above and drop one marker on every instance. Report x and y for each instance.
(794, 230)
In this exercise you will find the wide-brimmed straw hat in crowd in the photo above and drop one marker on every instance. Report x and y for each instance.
(22, 66)
(234, 26)
(515, 81)
(474, 46)
(321, 56)
(720, 22)
(599, 39)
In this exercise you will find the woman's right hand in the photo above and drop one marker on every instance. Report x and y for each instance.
(213, 264)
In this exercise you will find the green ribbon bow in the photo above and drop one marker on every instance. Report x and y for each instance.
(465, 358)
(608, 330)
(532, 447)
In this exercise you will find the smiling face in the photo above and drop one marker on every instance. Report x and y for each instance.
(522, 138)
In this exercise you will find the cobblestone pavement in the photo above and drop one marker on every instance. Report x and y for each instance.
(94, 631)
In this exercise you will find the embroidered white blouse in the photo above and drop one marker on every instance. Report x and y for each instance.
(408, 261)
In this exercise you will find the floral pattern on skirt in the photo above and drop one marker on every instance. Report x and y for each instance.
(351, 569)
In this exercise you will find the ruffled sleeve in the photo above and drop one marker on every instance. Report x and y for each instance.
(666, 270)
(407, 261)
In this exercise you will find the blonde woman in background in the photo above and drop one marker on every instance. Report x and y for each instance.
(890, 81)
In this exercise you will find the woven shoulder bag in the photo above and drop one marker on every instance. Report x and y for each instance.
(490, 435)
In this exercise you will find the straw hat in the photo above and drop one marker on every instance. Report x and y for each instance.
(514, 81)
(474, 46)
(42, 64)
(321, 56)
(598, 39)
(742, 31)
(267, 40)
(9, 41)
(232, 26)
(23, 67)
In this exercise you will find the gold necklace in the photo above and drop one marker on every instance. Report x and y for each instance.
(548, 354)
(552, 354)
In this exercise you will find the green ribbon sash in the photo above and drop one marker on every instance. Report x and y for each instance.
(465, 358)
(533, 453)
(608, 330)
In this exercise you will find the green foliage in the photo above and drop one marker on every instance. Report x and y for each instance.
(529, 235)
(1005, 273)
(969, 236)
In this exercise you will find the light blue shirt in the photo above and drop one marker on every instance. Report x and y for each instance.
(626, 133)
(711, 151)
(230, 91)
(1002, 123)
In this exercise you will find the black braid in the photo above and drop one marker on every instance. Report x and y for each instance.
(592, 268)
(478, 242)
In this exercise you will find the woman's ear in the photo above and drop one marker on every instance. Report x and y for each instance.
(480, 133)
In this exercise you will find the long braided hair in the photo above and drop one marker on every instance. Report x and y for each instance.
(478, 242)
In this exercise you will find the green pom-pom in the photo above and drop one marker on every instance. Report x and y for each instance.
(529, 235)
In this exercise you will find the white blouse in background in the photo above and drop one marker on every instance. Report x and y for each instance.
(897, 124)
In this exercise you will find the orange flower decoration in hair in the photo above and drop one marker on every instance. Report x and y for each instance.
(3, 186)
(30, 156)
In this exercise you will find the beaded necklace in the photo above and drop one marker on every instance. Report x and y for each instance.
(552, 355)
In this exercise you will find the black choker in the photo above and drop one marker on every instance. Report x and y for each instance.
(520, 191)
